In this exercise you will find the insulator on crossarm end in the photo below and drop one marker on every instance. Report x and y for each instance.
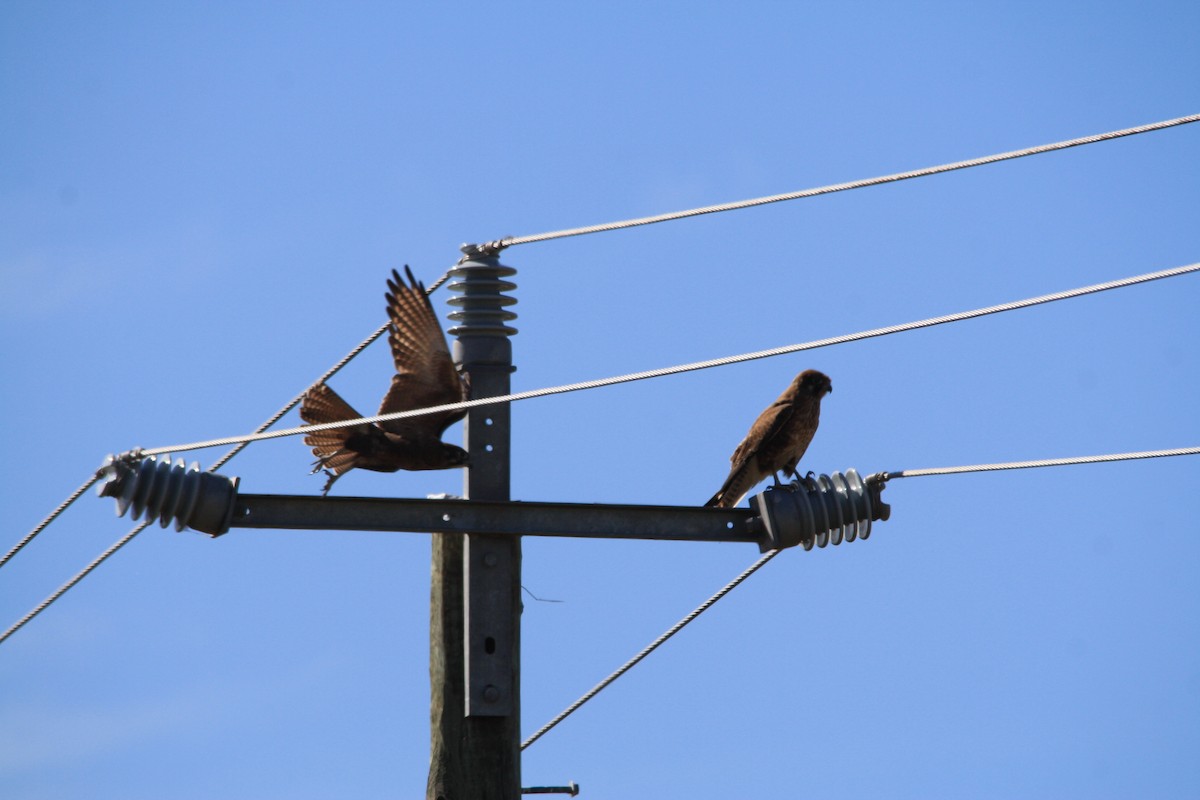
(820, 510)
(170, 492)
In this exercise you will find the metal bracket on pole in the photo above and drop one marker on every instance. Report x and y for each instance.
(491, 564)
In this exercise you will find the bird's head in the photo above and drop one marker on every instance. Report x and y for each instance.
(814, 383)
(455, 456)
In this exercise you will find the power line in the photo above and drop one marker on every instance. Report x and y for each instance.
(650, 648)
(100, 559)
(694, 366)
(329, 373)
(912, 473)
(241, 445)
(262, 431)
(50, 518)
(146, 523)
(509, 241)
(515, 240)
(1047, 462)
(217, 465)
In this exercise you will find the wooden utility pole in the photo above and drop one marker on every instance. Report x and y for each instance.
(475, 597)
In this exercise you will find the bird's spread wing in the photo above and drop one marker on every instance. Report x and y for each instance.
(425, 374)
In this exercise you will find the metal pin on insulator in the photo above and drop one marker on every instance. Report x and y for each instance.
(170, 492)
(819, 510)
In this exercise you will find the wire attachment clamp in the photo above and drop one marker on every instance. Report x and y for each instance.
(820, 510)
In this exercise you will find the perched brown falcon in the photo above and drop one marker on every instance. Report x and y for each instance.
(777, 439)
(425, 376)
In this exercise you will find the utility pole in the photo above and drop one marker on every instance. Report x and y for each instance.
(475, 594)
(475, 750)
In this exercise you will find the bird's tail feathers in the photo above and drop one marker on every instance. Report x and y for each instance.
(320, 405)
(733, 490)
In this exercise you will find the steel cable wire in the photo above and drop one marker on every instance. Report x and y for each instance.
(1045, 462)
(260, 433)
(146, 523)
(100, 559)
(510, 241)
(650, 648)
(515, 240)
(50, 518)
(912, 473)
(694, 366)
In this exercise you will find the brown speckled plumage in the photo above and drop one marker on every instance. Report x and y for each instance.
(777, 439)
(425, 376)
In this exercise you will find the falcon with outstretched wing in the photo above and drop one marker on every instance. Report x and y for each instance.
(425, 376)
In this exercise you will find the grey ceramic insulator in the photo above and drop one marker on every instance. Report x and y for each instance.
(482, 306)
(170, 492)
(819, 510)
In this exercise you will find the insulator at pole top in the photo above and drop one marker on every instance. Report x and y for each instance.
(481, 302)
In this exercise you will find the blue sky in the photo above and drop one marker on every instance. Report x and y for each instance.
(201, 203)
